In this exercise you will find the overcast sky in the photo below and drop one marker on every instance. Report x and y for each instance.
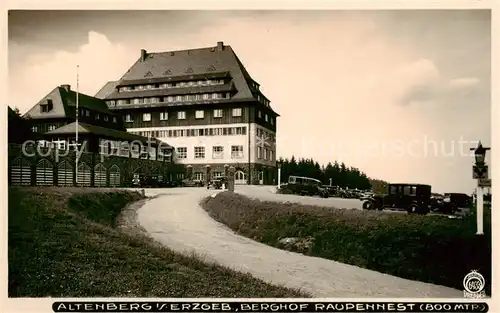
(402, 95)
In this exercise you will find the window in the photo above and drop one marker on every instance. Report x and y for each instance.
(146, 117)
(106, 118)
(265, 154)
(181, 115)
(170, 99)
(217, 113)
(259, 114)
(272, 120)
(181, 152)
(87, 113)
(218, 152)
(114, 119)
(271, 155)
(259, 152)
(198, 176)
(52, 127)
(217, 174)
(237, 112)
(199, 152)
(163, 116)
(266, 118)
(103, 147)
(199, 114)
(128, 118)
(236, 152)
(178, 98)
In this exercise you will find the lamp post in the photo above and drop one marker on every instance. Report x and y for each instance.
(480, 172)
(279, 174)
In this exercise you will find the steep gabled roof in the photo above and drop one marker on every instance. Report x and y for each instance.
(193, 62)
(106, 90)
(58, 109)
(62, 98)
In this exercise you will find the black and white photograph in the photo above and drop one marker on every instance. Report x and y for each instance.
(249, 154)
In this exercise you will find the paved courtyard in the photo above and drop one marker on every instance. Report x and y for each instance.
(175, 219)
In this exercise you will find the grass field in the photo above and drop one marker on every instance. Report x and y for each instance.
(432, 249)
(69, 242)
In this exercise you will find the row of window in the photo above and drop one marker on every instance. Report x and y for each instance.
(123, 149)
(193, 132)
(170, 99)
(264, 153)
(181, 115)
(182, 84)
(217, 152)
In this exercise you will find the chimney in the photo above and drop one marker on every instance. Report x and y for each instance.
(66, 87)
(144, 54)
(220, 46)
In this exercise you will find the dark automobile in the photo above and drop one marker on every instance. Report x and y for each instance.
(306, 186)
(331, 190)
(217, 183)
(442, 204)
(414, 198)
(461, 200)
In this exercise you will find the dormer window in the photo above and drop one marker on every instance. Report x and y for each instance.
(46, 107)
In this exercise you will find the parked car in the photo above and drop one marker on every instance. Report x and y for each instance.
(414, 198)
(462, 200)
(217, 183)
(331, 190)
(306, 186)
(443, 205)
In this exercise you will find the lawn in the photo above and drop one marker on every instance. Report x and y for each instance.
(70, 242)
(433, 249)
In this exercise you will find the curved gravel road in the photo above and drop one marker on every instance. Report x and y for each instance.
(175, 219)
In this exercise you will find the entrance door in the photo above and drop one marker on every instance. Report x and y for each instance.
(261, 177)
(239, 178)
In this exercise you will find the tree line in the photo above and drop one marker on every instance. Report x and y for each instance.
(336, 174)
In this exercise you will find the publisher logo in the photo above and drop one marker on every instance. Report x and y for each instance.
(474, 284)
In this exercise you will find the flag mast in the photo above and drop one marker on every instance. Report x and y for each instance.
(77, 111)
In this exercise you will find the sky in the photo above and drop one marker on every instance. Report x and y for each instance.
(402, 95)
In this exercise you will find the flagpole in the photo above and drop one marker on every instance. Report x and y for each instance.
(77, 111)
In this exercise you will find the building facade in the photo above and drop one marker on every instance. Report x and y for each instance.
(204, 103)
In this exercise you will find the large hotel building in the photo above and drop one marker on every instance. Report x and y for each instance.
(204, 103)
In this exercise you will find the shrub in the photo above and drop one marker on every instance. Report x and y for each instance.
(431, 249)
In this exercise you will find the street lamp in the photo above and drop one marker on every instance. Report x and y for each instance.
(480, 172)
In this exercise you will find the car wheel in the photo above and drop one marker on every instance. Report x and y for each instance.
(368, 205)
(412, 209)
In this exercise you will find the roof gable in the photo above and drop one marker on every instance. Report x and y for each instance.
(84, 101)
(58, 107)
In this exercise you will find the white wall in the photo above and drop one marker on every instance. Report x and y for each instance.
(210, 141)
(205, 141)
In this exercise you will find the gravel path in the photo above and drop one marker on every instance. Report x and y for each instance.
(175, 219)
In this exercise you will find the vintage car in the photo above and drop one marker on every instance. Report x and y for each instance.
(306, 186)
(217, 183)
(414, 198)
(331, 190)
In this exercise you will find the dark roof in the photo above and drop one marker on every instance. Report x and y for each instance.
(63, 98)
(190, 64)
(83, 128)
(106, 90)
